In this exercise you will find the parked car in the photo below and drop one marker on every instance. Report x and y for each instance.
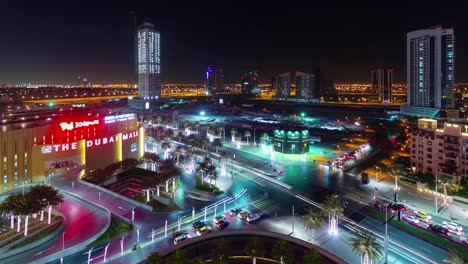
(243, 214)
(252, 218)
(222, 224)
(440, 229)
(411, 219)
(234, 211)
(423, 216)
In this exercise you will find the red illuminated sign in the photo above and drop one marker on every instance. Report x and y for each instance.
(77, 124)
(89, 143)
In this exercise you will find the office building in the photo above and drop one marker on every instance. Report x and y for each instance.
(440, 149)
(305, 85)
(214, 80)
(430, 71)
(282, 85)
(381, 85)
(249, 83)
(148, 62)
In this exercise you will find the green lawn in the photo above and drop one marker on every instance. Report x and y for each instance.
(421, 233)
(206, 186)
(117, 228)
(39, 235)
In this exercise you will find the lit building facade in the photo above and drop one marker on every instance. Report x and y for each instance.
(30, 153)
(249, 82)
(440, 149)
(305, 85)
(430, 69)
(282, 85)
(148, 62)
(214, 80)
(382, 85)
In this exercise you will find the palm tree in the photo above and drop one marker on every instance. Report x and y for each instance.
(178, 152)
(212, 173)
(180, 135)
(367, 247)
(45, 196)
(313, 220)
(455, 258)
(12, 205)
(333, 209)
(154, 258)
(233, 134)
(254, 248)
(178, 257)
(210, 131)
(220, 131)
(312, 257)
(221, 253)
(158, 120)
(197, 125)
(247, 134)
(217, 144)
(204, 143)
(282, 253)
(264, 138)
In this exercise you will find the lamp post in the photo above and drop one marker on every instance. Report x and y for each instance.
(292, 223)
(63, 247)
(376, 174)
(436, 193)
(386, 233)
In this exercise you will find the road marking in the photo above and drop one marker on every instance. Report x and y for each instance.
(122, 208)
(425, 249)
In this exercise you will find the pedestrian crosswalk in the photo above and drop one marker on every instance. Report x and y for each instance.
(270, 207)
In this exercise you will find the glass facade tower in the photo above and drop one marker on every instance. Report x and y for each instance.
(431, 68)
(148, 62)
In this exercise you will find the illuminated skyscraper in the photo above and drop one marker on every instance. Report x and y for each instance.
(282, 84)
(148, 62)
(382, 82)
(214, 80)
(249, 83)
(430, 62)
(305, 85)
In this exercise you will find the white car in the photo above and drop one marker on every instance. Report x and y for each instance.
(453, 227)
(412, 219)
(181, 238)
(252, 218)
(423, 216)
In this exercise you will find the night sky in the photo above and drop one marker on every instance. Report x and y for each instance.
(54, 42)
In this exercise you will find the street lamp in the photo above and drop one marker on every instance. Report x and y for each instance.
(386, 232)
(376, 174)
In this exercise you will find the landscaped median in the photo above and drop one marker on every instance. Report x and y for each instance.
(419, 232)
(117, 228)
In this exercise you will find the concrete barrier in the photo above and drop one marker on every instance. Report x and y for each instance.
(226, 233)
(116, 195)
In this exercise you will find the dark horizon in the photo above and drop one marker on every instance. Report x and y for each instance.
(55, 44)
